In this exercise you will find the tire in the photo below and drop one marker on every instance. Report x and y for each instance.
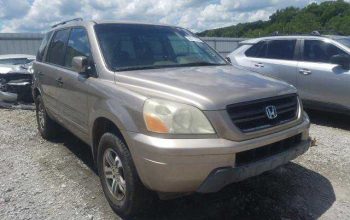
(128, 198)
(47, 127)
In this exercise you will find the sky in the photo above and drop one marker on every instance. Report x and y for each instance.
(196, 15)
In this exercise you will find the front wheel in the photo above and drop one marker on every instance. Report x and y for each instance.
(120, 182)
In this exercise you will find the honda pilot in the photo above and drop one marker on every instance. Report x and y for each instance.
(163, 113)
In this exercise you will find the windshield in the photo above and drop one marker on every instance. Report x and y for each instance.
(15, 61)
(134, 46)
(345, 41)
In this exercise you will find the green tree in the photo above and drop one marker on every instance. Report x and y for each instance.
(303, 23)
(329, 15)
(340, 24)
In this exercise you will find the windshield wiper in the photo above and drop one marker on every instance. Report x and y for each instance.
(203, 64)
(135, 68)
(127, 68)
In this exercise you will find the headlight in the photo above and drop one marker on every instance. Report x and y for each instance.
(175, 118)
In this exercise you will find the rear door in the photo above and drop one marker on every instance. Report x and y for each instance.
(321, 83)
(39, 68)
(47, 72)
(275, 58)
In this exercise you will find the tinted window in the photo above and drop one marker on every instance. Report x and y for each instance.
(257, 50)
(275, 49)
(281, 49)
(57, 47)
(319, 51)
(78, 45)
(128, 47)
(42, 48)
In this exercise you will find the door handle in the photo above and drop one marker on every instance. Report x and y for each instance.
(259, 65)
(305, 71)
(59, 81)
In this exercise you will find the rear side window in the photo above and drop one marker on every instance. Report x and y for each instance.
(43, 46)
(257, 50)
(274, 49)
(78, 45)
(281, 49)
(320, 51)
(55, 53)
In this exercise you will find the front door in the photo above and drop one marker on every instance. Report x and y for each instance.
(74, 90)
(321, 83)
(274, 58)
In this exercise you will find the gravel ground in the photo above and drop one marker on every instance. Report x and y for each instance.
(56, 180)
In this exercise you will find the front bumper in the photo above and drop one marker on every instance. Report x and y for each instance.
(205, 165)
(224, 176)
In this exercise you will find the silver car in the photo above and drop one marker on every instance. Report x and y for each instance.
(318, 66)
(162, 112)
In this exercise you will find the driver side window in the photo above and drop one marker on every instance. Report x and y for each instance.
(78, 45)
(320, 51)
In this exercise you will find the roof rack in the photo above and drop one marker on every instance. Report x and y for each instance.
(67, 21)
(313, 33)
(331, 32)
(275, 33)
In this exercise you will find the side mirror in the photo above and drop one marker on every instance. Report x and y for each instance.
(80, 64)
(341, 60)
(228, 59)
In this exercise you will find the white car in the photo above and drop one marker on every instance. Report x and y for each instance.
(15, 78)
(14, 62)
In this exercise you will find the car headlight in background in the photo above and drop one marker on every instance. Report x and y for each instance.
(175, 118)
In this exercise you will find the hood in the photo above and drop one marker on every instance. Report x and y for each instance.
(5, 69)
(208, 88)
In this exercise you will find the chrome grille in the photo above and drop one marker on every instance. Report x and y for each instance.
(251, 116)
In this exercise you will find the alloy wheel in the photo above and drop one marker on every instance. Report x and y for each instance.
(114, 174)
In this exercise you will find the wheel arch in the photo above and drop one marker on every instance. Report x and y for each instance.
(101, 126)
(36, 92)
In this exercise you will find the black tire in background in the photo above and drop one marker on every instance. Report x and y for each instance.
(47, 127)
(137, 199)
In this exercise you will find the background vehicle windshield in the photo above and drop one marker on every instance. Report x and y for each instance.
(127, 47)
(15, 61)
(345, 41)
